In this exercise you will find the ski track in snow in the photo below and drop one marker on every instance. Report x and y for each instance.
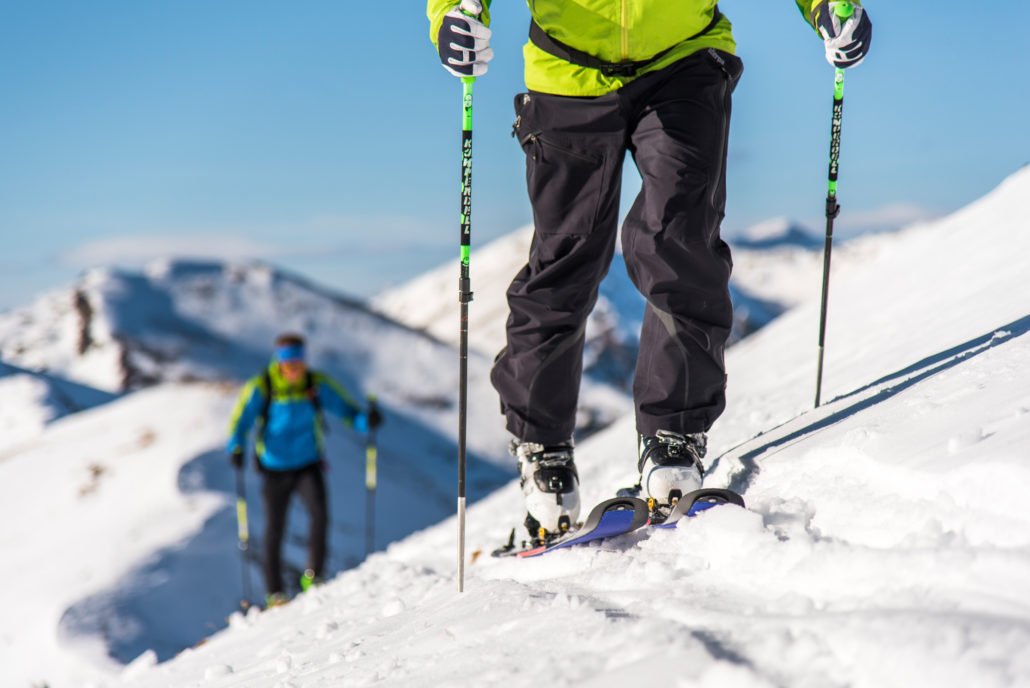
(886, 543)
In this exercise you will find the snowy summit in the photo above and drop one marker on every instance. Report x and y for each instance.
(777, 233)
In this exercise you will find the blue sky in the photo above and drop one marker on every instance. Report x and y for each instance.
(323, 135)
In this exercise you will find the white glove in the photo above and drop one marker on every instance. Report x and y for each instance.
(847, 40)
(464, 41)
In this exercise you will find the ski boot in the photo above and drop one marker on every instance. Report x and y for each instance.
(275, 599)
(670, 467)
(309, 579)
(550, 485)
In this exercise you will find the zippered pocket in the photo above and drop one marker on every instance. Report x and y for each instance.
(565, 185)
(538, 146)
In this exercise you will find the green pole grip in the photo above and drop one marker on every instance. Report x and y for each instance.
(467, 83)
(371, 455)
(370, 468)
(242, 531)
(835, 128)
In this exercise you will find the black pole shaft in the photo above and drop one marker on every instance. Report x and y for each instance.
(832, 211)
(827, 250)
(464, 297)
(371, 482)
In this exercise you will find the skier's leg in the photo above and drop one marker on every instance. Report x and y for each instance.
(671, 241)
(574, 150)
(275, 491)
(311, 488)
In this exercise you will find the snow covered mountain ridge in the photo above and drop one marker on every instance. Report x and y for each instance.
(32, 400)
(777, 232)
(178, 320)
(887, 541)
(183, 321)
(116, 394)
(117, 412)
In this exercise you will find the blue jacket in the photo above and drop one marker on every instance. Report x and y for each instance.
(293, 437)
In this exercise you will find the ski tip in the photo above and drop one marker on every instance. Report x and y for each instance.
(698, 501)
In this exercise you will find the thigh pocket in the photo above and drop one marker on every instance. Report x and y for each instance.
(565, 184)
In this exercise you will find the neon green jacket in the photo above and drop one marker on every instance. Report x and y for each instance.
(293, 436)
(614, 31)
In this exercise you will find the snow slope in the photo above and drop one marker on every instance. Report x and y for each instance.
(184, 321)
(790, 272)
(179, 337)
(887, 541)
(118, 535)
(29, 401)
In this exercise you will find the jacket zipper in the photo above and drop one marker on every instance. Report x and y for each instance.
(718, 59)
(625, 28)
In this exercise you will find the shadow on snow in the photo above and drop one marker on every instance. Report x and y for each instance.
(897, 382)
(185, 592)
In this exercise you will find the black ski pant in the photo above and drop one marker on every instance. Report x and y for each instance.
(675, 124)
(278, 487)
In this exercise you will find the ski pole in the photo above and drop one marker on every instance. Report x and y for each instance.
(842, 10)
(371, 457)
(464, 297)
(243, 533)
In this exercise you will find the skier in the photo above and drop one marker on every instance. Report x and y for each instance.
(286, 402)
(603, 77)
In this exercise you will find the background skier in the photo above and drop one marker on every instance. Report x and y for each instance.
(654, 78)
(286, 402)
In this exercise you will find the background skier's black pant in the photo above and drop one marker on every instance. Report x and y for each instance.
(675, 123)
(278, 487)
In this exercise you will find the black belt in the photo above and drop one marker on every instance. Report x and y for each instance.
(629, 68)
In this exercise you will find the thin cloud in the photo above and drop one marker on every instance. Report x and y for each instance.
(320, 237)
(138, 250)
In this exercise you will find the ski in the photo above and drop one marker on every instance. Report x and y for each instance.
(611, 517)
(625, 514)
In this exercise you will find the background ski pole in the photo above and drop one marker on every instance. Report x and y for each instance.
(464, 297)
(243, 534)
(842, 10)
(371, 457)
